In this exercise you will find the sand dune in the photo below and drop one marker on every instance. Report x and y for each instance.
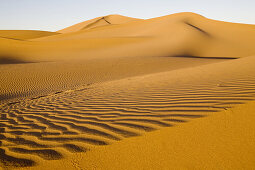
(174, 92)
(98, 22)
(79, 119)
(24, 34)
(28, 80)
(184, 34)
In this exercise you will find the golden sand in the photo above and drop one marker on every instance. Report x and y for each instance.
(24, 34)
(174, 92)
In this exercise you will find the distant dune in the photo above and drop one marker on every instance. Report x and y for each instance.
(114, 92)
(183, 34)
(24, 34)
(98, 22)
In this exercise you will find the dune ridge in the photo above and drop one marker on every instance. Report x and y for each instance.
(97, 22)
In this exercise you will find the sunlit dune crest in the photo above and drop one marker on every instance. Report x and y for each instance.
(97, 22)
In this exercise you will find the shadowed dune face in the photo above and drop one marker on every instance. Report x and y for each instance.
(191, 56)
(11, 60)
(83, 118)
(199, 29)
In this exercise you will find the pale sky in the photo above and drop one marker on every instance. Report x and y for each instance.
(52, 15)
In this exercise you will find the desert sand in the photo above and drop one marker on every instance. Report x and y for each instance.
(114, 92)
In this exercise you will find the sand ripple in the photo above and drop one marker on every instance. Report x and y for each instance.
(81, 119)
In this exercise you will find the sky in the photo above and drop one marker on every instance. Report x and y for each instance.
(53, 15)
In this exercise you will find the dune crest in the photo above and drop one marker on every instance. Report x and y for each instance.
(97, 22)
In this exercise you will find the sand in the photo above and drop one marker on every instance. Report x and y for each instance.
(174, 92)
(24, 34)
(99, 22)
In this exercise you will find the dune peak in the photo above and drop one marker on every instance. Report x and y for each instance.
(97, 22)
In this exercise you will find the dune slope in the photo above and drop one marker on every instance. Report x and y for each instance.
(88, 118)
(97, 22)
(21, 80)
(24, 34)
(178, 34)
(183, 34)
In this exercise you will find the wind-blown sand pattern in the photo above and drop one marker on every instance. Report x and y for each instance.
(61, 110)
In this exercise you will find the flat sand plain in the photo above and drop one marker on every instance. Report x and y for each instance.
(174, 92)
